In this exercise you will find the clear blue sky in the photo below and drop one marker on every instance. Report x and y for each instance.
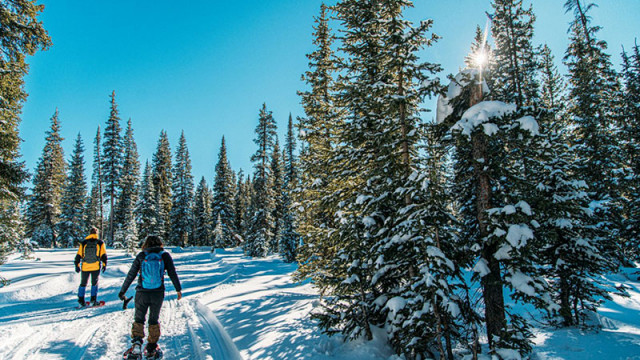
(206, 67)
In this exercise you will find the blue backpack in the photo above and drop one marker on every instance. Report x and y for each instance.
(152, 270)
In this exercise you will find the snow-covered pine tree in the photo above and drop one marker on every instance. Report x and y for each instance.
(381, 89)
(318, 134)
(593, 91)
(513, 74)
(22, 34)
(263, 202)
(202, 222)
(146, 209)
(125, 212)
(72, 226)
(161, 165)
(43, 212)
(496, 144)
(289, 238)
(95, 206)
(277, 175)
(182, 190)
(111, 162)
(631, 131)
(572, 255)
(242, 204)
(223, 206)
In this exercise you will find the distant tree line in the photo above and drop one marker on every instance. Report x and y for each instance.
(128, 203)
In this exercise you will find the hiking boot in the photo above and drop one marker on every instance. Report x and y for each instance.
(136, 348)
(151, 350)
(81, 301)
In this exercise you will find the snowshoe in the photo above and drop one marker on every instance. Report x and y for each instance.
(134, 352)
(95, 304)
(157, 354)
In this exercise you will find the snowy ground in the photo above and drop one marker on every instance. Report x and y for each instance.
(233, 307)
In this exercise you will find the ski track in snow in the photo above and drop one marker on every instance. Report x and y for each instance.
(38, 318)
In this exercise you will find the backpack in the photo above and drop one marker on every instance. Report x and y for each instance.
(152, 270)
(90, 252)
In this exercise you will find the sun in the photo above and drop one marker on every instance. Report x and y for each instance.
(480, 59)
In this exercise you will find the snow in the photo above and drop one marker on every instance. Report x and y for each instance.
(518, 234)
(454, 89)
(238, 307)
(480, 114)
(234, 307)
(529, 124)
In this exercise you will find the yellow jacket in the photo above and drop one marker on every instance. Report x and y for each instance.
(100, 254)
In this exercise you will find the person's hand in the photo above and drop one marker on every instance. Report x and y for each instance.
(179, 295)
(104, 267)
(121, 296)
(77, 268)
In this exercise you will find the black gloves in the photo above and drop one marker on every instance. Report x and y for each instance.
(104, 267)
(77, 268)
(121, 296)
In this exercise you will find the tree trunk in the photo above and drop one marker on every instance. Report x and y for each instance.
(492, 282)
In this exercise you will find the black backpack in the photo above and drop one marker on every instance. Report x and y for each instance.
(90, 252)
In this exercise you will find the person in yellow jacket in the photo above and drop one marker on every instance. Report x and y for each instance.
(90, 259)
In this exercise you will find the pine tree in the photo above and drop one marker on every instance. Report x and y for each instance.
(289, 238)
(182, 190)
(262, 203)
(95, 206)
(43, 213)
(383, 86)
(242, 205)
(514, 72)
(125, 212)
(202, 222)
(22, 34)
(72, 225)
(112, 164)
(161, 165)
(146, 210)
(319, 130)
(631, 130)
(593, 92)
(223, 199)
(279, 210)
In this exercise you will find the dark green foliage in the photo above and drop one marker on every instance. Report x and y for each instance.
(202, 222)
(72, 226)
(162, 180)
(43, 212)
(279, 210)
(262, 224)
(111, 162)
(223, 207)
(94, 211)
(21, 35)
(182, 201)
(242, 204)
(125, 212)
(146, 209)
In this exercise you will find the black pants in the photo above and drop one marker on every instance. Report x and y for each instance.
(148, 300)
(84, 277)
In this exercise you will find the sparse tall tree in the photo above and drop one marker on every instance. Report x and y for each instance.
(147, 216)
(72, 225)
(223, 208)
(202, 222)
(43, 213)
(111, 163)
(182, 186)
(95, 206)
(125, 218)
(262, 204)
(22, 34)
(161, 165)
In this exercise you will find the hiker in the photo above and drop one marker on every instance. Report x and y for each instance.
(93, 255)
(151, 264)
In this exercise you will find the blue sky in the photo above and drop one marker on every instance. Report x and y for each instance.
(206, 67)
